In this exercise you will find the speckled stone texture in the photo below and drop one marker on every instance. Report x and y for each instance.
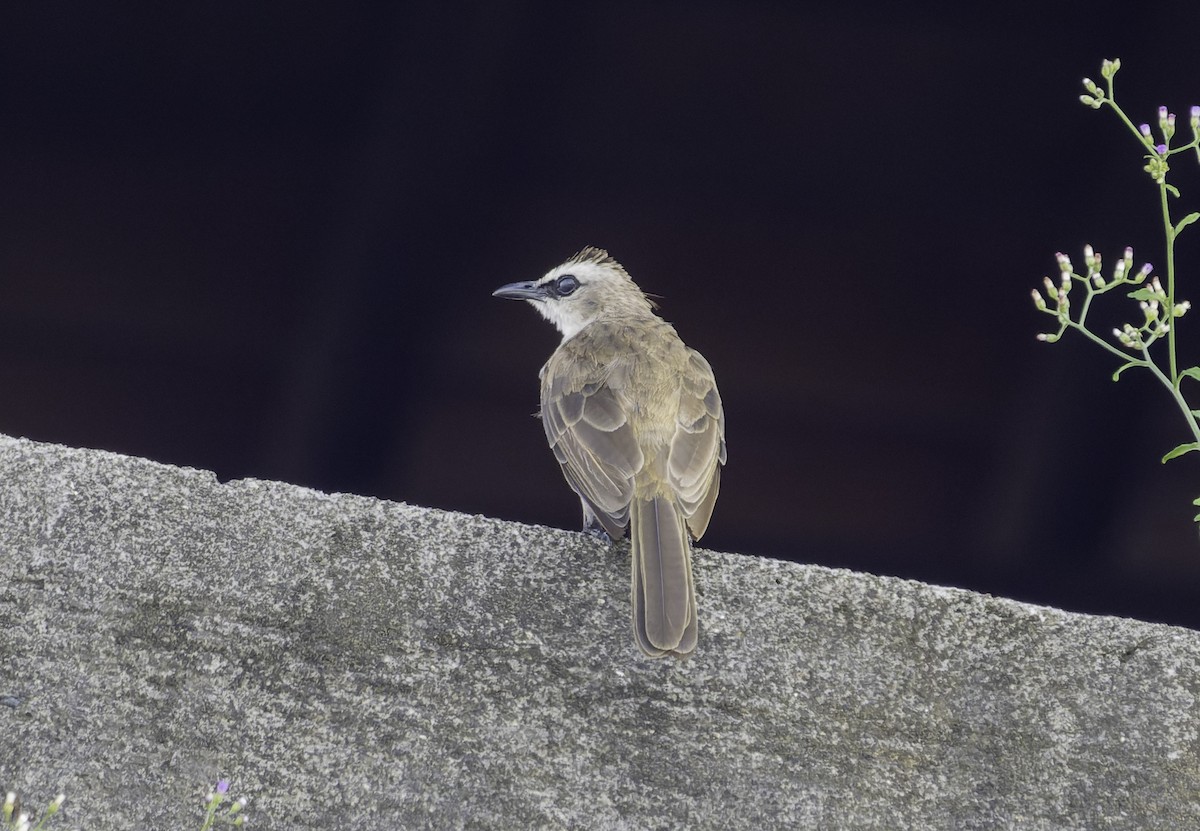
(352, 663)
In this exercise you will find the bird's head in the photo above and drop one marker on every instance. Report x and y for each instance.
(589, 286)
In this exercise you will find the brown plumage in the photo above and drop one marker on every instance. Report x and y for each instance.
(634, 418)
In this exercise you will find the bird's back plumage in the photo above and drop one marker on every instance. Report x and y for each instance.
(644, 446)
(634, 417)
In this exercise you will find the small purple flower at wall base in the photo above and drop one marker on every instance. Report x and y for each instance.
(222, 786)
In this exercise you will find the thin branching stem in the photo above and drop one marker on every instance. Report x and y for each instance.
(1159, 310)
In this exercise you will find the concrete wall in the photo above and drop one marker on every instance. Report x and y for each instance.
(348, 662)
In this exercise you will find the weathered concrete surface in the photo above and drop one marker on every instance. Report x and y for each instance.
(348, 662)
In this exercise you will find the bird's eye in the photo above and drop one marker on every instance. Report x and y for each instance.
(565, 284)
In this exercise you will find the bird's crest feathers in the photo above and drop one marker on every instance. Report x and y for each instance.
(597, 256)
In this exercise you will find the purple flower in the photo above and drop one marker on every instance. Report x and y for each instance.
(222, 786)
(1161, 149)
(1145, 129)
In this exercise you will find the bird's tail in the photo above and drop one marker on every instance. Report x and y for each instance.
(664, 595)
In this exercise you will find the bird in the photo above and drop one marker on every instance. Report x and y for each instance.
(634, 418)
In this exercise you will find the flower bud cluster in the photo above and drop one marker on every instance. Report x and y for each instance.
(1157, 314)
(1166, 124)
(1054, 297)
(1166, 127)
(22, 821)
(1156, 162)
(1156, 295)
(1157, 166)
(1095, 96)
(1094, 263)
(231, 814)
(1056, 293)
(1129, 337)
(1123, 265)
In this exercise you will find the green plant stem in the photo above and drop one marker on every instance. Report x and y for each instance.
(210, 816)
(1179, 400)
(1096, 339)
(1146, 361)
(1112, 102)
(1172, 381)
(1170, 228)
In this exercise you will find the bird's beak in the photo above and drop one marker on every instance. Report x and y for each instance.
(521, 291)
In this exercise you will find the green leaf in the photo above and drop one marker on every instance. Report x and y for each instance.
(1180, 450)
(1186, 221)
(1124, 367)
(1191, 372)
(1142, 294)
(1196, 501)
(1171, 189)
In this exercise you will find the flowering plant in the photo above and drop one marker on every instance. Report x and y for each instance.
(1157, 303)
(18, 820)
(12, 818)
(213, 813)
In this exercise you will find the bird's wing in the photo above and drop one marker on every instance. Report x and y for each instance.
(698, 447)
(590, 435)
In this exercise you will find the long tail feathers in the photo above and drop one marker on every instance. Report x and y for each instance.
(664, 594)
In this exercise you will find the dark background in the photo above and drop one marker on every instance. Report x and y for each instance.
(261, 238)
